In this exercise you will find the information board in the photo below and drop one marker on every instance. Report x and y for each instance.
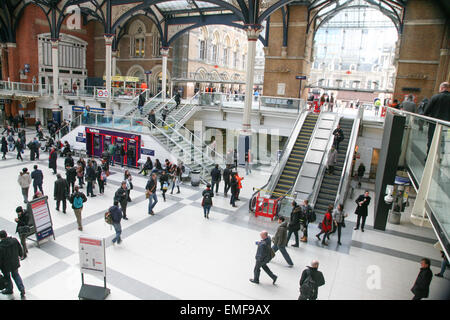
(92, 255)
(42, 219)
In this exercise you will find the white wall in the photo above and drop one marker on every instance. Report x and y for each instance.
(370, 139)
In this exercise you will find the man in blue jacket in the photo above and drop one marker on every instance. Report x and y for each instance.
(263, 257)
(38, 179)
(116, 216)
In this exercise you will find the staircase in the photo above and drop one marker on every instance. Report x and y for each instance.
(290, 171)
(330, 183)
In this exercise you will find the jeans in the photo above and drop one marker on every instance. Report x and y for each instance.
(257, 270)
(227, 187)
(25, 194)
(17, 279)
(206, 209)
(118, 229)
(284, 253)
(444, 266)
(248, 168)
(339, 229)
(295, 235)
(152, 201)
(233, 199)
(215, 183)
(90, 190)
(324, 236)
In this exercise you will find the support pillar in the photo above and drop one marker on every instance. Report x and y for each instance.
(115, 54)
(108, 48)
(4, 61)
(55, 67)
(164, 54)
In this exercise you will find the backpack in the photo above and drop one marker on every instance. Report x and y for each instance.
(108, 218)
(77, 202)
(309, 287)
(207, 199)
(310, 214)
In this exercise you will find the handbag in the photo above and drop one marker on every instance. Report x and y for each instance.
(147, 194)
(165, 186)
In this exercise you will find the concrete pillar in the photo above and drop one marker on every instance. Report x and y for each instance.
(55, 67)
(108, 48)
(164, 54)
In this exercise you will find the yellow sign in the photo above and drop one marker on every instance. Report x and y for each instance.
(122, 78)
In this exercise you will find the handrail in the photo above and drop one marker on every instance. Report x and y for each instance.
(68, 125)
(346, 167)
(187, 103)
(132, 111)
(429, 119)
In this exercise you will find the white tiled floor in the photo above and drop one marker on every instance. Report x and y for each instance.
(179, 254)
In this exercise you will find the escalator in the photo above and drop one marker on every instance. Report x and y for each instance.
(290, 171)
(330, 183)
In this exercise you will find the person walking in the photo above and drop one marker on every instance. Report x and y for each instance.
(421, 287)
(444, 265)
(263, 257)
(121, 196)
(438, 108)
(111, 153)
(19, 148)
(177, 100)
(248, 162)
(77, 199)
(294, 223)
(152, 119)
(128, 178)
(326, 225)
(307, 215)
(122, 153)
(207, 203)
(80, 175)
(164, 181)
(216, 176)
(52, 159)
(409, 105)
(11, 142)
(68, 161)
(234, 189)
(361, 210)
(361, 170)
(310, 281)
(61, 192)
(150, 190)
(24, 181)
(101, 177)
(226, 179)
(23, 228)
(38, 179)
(338, 134)
(116, 217)
(10, 252)
(176, 178)
(4, 147)
(90, 178)
(239, 187)
(164, 113)
(338, 221)
(280, 240)
(332, 160)
(71, 176)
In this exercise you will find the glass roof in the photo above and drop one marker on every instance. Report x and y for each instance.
(184, 5)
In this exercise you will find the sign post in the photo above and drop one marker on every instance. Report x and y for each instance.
(300, 87)
(42, 219)
(92, 261)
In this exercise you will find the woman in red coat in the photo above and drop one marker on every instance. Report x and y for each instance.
(326, 224)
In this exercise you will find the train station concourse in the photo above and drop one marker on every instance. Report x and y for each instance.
(170, 150)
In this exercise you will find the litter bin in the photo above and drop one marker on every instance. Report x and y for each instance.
(195, 178)
(394, 217)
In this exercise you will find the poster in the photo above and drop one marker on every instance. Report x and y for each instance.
(92, 255)
(42, 218)
(281, 87)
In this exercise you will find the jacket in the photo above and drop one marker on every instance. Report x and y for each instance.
(121, 195)
(4, 145)
(77, 194)
(211, 195)
(10, 251)
(362, 210)
(116, 214)
(409, 106)
(280, 238)
(327, 222)
(316, 275)
(37, 177)
(68, 162)
(438, 106)
(52, 159)
(24, 180)
(338, 134)
(71, 174)
(226, 174)
(421, 287)
(151, 185)
(61, 191)
(263, 253)
(23, 220)
(338, 216)
(215, 174)
(239, 181)
(332, 158)
(90, 173)
(294, 223)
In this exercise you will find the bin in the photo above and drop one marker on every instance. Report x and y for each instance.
(394, 217)
(195, 178)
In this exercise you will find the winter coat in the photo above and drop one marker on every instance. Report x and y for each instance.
(10, 251)
(338, 216)
(116, 214)
(24, 180)
(438, 106)
(71, 174)
(263, 253)
(121, 195)
(4, 145)
(234, 184)
(90, 174)
(280, 238)
(332, 158)
(361, 170)
(316, 275)
(52, 159)
(151, 185)
(327, 222)
(362, 210)
(23, 220)
(37, 177)
(294, 223)
(421, 287)
(69, 162)
(61, 191)
(215, 174)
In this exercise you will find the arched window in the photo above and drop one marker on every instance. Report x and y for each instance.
(236, 54)
(202, 44)
(226, 51)
(137, 39)
(215, 48)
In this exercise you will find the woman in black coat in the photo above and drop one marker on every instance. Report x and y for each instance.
(19, 148)
(294, 223)
(52, 159)
(4, 147)
(361, 210)
(164, 179)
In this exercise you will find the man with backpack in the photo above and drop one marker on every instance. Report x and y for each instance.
(310, 282)
(310, 216)
(207, 200)
(263, 256)
(10, 251)
(77, 199)
(121, 196)
(113, 217)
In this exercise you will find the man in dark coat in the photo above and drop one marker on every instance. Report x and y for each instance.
(438, 108)
(10, 251)
(226, 179)
(91, 175)
(263, 257)
(310, 282)
(338, 134)
(233, 188)
(52, 159)
(280, 240)
(38, 179)
(23, 228)
(361, 210)
(421, 287)
(121, 196)
(294, 223)
(69, 160)
(215, 178)
(71, 177)
(61, 192)
(116, 216)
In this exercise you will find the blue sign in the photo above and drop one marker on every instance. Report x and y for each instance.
(93, 110)
(44, 234)
(80, 139)
(401, 180)
(300, 77)
(148, 152)
(148, 72)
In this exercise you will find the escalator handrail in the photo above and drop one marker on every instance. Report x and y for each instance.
(344, 180)
(323, 164)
